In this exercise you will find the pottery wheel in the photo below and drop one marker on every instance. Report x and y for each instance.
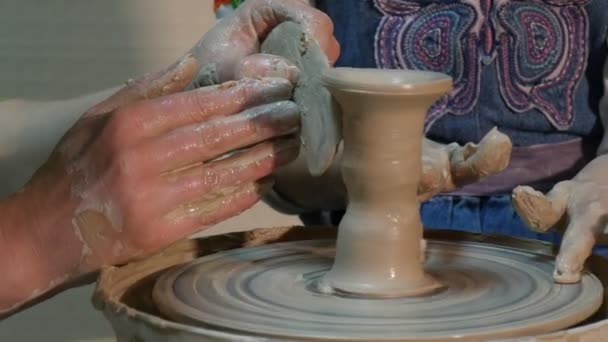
(271, 290)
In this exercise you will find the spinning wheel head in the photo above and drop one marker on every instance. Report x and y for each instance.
(490, 292)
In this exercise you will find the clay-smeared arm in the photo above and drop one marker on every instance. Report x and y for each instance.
(158, 160)
(127, 182)
(578, 207)
(444, 168)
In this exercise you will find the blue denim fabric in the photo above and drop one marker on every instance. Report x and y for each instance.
(488, 215)
(358, 28)
(372, 34)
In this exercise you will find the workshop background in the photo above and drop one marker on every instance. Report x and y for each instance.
(60, 49)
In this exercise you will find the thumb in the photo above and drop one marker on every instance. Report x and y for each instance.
(266, 65)
(473, 163)
(542, 212)
(264, 15)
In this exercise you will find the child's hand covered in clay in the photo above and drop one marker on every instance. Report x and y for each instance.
(140, 171)
(578, 208)
(448, 167)
(444, 168)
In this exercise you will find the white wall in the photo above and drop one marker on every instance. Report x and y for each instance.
(63, 48)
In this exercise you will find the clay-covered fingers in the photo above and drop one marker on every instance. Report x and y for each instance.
(579, 207)
(435, 176)
(265, 65)
(587, 221)
(473, 163)
(192, 217)
(448, 167)
(431, 181)
(267, 14)
(204, 182)
(542, 212)
(200, 152)
(240, 35)
(218, 136)
(202, 173)
(147, 119)
(577, 246)
(212, 192)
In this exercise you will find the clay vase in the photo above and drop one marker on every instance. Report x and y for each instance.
(378, 251)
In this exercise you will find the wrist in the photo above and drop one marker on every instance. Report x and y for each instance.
(16, 257)
(35, 259)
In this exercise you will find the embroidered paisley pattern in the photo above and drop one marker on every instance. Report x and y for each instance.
(540, 49)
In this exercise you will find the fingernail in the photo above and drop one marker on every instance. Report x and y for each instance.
(273, 119)
(264, 185)
(264, 65)
(566, 277)
(176, 77)
(289, 71)
(275, 89)
(286, 150)
(294, 74)
(256, 91)
(285, 116)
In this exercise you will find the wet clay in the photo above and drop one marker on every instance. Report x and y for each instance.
(490, 292)
(370, 284)
(124, 294)
(378, 247)
(320, 119)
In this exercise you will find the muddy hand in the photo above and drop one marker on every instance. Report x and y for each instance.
(153, 163)
(135, 179)
(577, 208)
(149, 173)
(221, 51)
(448, 167)
(231, 51)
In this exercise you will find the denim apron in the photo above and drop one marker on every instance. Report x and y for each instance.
(531, 68)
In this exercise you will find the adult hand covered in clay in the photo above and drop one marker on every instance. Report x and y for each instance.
(448, 167)
(231, 49)
(140, 171)
(154, 163)
(578, 208)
